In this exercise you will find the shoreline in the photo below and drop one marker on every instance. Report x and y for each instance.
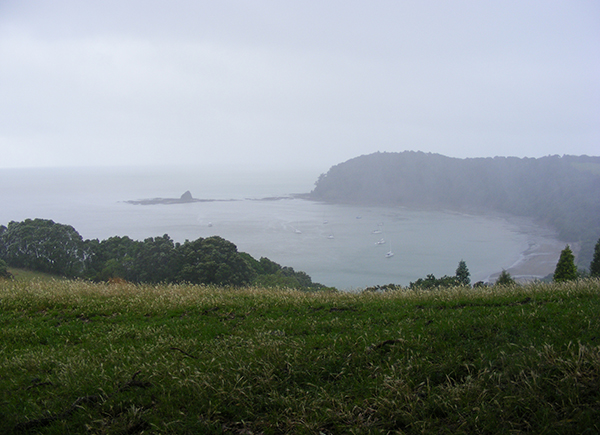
(540, 257)
(537, 259)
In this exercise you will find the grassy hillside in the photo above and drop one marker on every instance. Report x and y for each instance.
(78, 358)
(29, 275)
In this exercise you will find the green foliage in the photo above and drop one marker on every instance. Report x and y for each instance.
(272, 275)
(384, 288)
(155, 260)
(4, 273)
(45, 246)
(463, 274)
(461, 278)
(2, 245)
(505, 279)
(595, 264)
(213, 260)
(431, 282)
(268, 267)
(565, 268)
(79, 357)
(112, 258)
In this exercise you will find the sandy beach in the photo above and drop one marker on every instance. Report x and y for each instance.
(539, 259)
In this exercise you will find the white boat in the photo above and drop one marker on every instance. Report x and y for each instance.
(380, 242)
(330, 236)
(390, 253)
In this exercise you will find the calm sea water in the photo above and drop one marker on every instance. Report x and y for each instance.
(335, 244)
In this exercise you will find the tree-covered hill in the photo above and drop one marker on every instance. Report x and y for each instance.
(43, 245)
(563, 192)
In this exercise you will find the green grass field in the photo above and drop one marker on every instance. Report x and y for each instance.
(78, 358)
(29, 275)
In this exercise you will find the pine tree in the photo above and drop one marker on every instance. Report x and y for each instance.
(505, 279)
(595, 264)
(565, 268)
(462, 273)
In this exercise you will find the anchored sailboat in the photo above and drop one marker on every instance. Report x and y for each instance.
(390, 253)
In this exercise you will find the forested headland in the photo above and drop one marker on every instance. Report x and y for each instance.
(560, 191)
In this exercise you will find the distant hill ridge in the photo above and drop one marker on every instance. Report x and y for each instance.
(562, 191)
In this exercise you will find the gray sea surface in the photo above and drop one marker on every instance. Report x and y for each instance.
(337, 245)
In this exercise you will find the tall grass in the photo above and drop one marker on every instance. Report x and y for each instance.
(77, 357)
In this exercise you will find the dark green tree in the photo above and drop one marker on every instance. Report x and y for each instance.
(565, 268)
(268, 267)
(595, 264)
(45, 246)
(113, 258)
(270, 274)
(2, 247)
(431, 282)
(462, 273)
(4, 273)
(155, 260)
(212, 260)
(505, 279)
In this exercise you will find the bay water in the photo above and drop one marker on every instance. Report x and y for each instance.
(337, 245)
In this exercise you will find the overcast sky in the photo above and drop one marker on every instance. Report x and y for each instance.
(286, 83)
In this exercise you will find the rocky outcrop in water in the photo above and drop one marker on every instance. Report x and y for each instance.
(183, 199)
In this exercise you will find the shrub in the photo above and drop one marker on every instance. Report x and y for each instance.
(505, 278)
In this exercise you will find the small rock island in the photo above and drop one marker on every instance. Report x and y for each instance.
(183, 199)
(187, 198)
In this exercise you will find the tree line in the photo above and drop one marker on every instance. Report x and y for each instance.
(554, 190)
(46, 246)
(565, 270)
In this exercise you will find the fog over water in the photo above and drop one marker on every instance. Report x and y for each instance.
(335, 244)
(275, 84)
(298, 86)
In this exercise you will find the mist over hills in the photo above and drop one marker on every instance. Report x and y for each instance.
(560, 191)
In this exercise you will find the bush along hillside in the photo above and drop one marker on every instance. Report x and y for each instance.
(46, 246)
(559, 191)
(565, 271)
(118, 358)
